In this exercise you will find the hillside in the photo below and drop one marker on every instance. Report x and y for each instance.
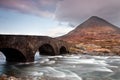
(95, 31)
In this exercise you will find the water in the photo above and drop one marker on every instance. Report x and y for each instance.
(67, 67)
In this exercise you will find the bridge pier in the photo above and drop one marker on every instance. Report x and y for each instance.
(30, 58)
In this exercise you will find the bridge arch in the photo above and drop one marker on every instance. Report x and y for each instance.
(46, 49)
(63, 50)
(13, 55)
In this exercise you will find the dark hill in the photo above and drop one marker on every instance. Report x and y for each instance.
(94, 28)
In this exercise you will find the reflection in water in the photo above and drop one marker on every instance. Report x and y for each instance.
(67, 67)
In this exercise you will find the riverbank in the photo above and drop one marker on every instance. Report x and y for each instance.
(6, 77)
(92, 49)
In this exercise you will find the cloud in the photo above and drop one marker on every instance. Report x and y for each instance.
(43, 8)
(58, 31)
(76, 11)
(71, 11)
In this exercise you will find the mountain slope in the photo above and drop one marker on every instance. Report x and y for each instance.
(95, 35)
(94, 28)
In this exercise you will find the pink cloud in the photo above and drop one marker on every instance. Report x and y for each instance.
(37, 7)
(76, 11)
(71, 11)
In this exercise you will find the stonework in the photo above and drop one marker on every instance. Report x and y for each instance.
(21, 48)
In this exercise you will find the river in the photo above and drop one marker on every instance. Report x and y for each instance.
(65, 67)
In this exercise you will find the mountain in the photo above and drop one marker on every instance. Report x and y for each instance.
(94, 28)
(94, 35)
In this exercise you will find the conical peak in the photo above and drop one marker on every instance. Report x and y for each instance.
(95, 21)
(94, 28)
(95, 18)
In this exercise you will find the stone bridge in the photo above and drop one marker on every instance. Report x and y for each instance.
(19, 48)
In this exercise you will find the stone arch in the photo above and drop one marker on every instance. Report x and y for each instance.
(63, 50)
(47, 49)
(13, 55)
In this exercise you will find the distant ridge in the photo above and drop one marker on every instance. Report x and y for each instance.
(94, 28)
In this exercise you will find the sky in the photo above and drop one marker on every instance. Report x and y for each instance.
(53, 17)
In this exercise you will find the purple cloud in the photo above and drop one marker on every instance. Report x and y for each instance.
(76, 11)
(71, 11)
(44, 8)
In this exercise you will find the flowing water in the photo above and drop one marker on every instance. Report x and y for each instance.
(66, 67)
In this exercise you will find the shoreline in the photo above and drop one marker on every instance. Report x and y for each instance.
(6, 77)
